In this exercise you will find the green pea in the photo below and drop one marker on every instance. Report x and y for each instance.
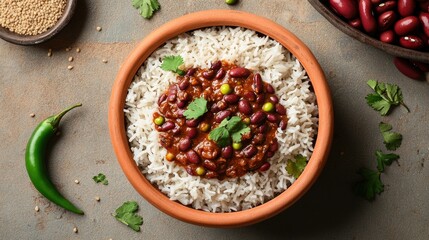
(231, 2)
(200, 171)
(225, 89)
(236, 146)
(159, 120)
(268, 107)
(246, 121)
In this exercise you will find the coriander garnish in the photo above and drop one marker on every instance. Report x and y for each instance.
(295, 168)
(126, 214)
(146, 7)
(101, 178)
(196, 108)
(386, 95)
(370, 184)
(392, 140)
(172, 63)
(228, 129)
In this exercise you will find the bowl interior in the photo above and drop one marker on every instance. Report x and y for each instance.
(321, 7)
(209, 19)
(36, 39)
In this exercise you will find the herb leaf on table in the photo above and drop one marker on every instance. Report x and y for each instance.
(126, 215)
(146, 7)
(386, 95)
(385, 159)
(370, 185)
(392, 140)
(101, 178)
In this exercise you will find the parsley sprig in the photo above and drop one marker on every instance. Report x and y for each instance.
(172, 63)
(196, 108)
(392, 140)
(386, 95)
(232, 128)
(126, 214)
(295, 168)
(370, 185)
(384, 159)
(101, 178)
(146, 7)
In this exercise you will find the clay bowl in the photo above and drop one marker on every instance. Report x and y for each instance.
(391, 49)
(207, 19)
(36, 39)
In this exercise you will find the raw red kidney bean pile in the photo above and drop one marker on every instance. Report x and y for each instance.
(400, 22)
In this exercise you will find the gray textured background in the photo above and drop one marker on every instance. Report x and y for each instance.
(31, 82)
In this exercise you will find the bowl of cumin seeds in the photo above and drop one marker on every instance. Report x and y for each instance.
(30, 22)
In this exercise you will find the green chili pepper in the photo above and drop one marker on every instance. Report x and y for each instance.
(35, 157)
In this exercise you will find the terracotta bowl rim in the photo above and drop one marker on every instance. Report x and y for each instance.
(19, 39)
(211, 18)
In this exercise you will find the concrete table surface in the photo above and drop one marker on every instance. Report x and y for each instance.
(32, 82)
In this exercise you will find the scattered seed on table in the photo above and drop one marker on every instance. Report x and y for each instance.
(49, 52)
(99, 28)
(32, 115)
(36, 208)
(68, 49)
(70, 67)
(70, 59)
(75, 230)
(76, 181)
(78, 50)
(104, 60)
(97, 198)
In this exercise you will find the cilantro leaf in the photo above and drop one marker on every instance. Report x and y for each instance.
(384, 160)
(172, 63)
(146, 7)
(221, 136)
(101, 178)
(196, 108)
(126, 214)
(386, 95)
(295, 168)
(370, 185)
(229, 128)
(392, 140)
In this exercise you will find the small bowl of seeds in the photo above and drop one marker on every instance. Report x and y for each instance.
(30, 22)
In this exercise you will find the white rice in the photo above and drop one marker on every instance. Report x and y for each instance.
(198, 49)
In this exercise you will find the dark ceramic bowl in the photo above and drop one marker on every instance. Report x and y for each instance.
(394, 50)
(36, 39)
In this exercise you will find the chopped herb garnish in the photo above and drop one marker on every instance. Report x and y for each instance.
(229, 128)
(101, 178)
(196, 108)
(295, 168)
(392, 140)
(146, 7)
(172, 63)
(385, 159)
(386, 95)
(126, 214)
(370, 185)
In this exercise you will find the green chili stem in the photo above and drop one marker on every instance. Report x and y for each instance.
(57, 118)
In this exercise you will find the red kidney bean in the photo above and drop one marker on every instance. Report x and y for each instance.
(171, 98)
(424, 20)
(184, 84)
(220, 74)
(222, 115)
(231, 98)
(239, 72)
(192, 156)
(209, 165)
(274, 99)
(376, 1)
(181, 104)
(258, 139)
(269, 154)
(272, 117)
(211, 174)
(190, 170)
(258, 85)
(269, 88)
(262, 128)
(260, 98)
(420, 65)
(387, 36)
(222, 105)
(191, 132)
(250, 151)
(386, 20)
(216, 66)
(227, 152)
(185, 144)
(209, 74)
(250, 96)
(258, 117)
(411, 42)
(167, 126)
(346, 8)
(406, 7)
(192, 122)
(424, 6)
(385, 6)
(356, 23)
(368, 20)
(162, 98)
(283, 124)
(408, 69)
(191, 72)
(179, 112)
(280, 109)
(244, 107)
(406, 25)
(265, 166)
(274, 146)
